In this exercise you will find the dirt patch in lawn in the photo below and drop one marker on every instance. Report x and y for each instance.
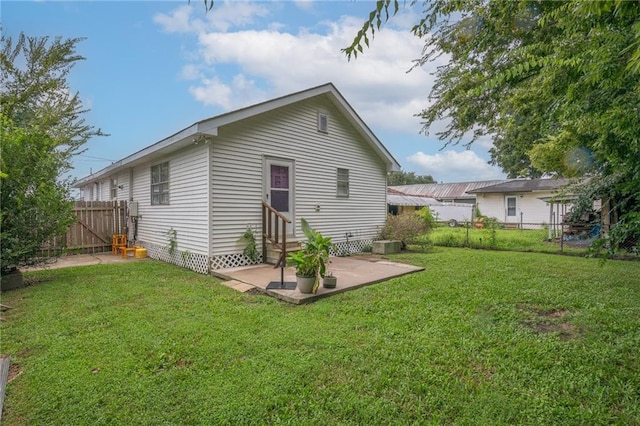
(545, 321)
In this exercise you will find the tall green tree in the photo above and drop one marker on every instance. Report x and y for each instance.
(42, 129)
(407, 178)
(555, 83)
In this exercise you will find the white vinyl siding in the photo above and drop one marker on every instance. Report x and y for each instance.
(188, 213)
(530, 209)
(123, 184)
(237, 158)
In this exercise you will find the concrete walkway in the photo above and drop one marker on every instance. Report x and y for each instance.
(352, 272)
(82, 260)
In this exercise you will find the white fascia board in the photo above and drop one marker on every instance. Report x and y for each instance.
(164, 146)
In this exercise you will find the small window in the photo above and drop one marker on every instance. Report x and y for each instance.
(343, 183)
(160, 184)
(114, 189)
(323, 122)
(511, 206)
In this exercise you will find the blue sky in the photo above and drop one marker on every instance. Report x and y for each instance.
(153, 68)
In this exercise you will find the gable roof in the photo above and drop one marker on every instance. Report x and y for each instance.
(524, 185)
(206, 128)
(443, 190)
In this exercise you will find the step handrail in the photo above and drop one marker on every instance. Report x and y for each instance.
(277, 236)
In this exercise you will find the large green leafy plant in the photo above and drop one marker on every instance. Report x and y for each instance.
(312, 260)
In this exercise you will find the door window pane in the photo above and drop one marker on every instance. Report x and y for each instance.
(279, 177)
(280, 200)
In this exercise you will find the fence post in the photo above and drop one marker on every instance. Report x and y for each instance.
(467, 244)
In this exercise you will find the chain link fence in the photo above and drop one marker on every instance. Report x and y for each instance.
(522, 236)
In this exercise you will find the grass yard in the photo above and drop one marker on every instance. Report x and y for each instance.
(480, 337)
(527, 240)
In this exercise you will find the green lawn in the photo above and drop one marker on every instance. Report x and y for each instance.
(527, 240)
(479, 337)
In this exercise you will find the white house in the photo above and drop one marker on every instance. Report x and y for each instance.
(527, 203)
(307, 155)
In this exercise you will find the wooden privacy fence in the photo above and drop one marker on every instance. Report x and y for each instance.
(96, 222)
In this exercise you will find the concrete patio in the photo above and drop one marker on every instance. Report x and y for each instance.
(352, 272)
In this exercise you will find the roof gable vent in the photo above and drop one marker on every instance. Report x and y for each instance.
(323, 122)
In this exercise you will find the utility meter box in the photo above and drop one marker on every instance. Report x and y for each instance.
(133, 208)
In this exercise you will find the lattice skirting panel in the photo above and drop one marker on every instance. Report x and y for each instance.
(195, 262)
(201, 263)
(346, 248)
(232, 261)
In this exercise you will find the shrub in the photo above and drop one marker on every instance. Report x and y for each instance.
(427, 217)
(404, 227)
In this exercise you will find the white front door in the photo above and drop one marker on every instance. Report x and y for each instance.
(511, 209)
(279, 188)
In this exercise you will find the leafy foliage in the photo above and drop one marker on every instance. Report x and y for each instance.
(35, 205)
(404, 227)
(312, 260)
(555, 84)
(42, 129)
(250, 250)
(407, 178)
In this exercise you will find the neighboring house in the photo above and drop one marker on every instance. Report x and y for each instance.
(458, 192)
(308, 155)
(527, 203)
(448, 202)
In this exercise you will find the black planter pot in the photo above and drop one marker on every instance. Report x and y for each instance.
(12, 281)
(329, 282)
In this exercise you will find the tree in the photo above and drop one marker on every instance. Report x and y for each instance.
(407, 178)
(42, 129)
(556, 84)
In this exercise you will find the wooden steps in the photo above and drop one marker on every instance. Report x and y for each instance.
(275, 251)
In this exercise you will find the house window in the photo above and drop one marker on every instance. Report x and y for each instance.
(343, 183)
(160, 184)
(114, 189)
(511, 206)
(323, 122)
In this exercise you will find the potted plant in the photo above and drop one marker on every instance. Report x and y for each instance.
(311, 261)
(329, 280)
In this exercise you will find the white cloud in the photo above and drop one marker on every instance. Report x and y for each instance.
(376, 83)
(452, 166)
(241, 59)
(179, 21)
(223, 17)
(306, 5)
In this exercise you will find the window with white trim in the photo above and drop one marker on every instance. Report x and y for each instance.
(323, 122)
(160, 184)
(114, 188)
(343, 183)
